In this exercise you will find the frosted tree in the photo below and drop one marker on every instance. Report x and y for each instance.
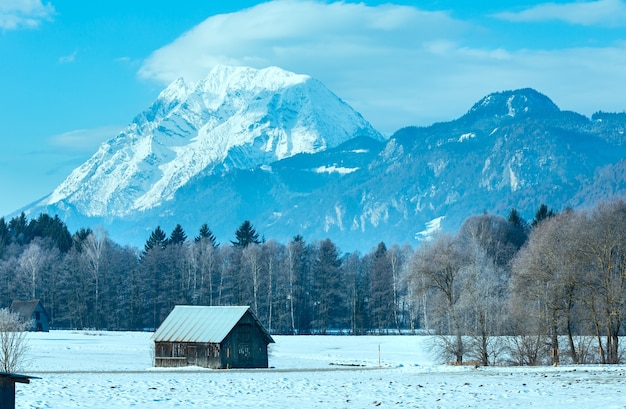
(298, 282)
(273, 260)
(603, 249)
(31, 262)
(93, 249)
(251, 263)
(437, 268)
(13, 342)
(205, 260)
(547, 282)
(483, 299)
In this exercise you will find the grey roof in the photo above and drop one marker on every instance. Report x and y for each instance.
(188, 323)
(25, 308)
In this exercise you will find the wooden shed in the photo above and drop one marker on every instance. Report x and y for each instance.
(211, 337)
(33, 311)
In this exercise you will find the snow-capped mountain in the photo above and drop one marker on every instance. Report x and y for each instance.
(236, 118)
(281, 151)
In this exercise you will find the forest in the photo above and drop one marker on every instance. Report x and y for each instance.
(544, 291)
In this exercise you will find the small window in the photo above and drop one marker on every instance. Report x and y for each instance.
(37, 316)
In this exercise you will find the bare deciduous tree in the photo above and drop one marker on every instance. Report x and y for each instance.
(483, 299)
(93, 252)
(437, 266)
(251, 262)
(604, 250)
(31, 262)
(13, 342)
(546, 282)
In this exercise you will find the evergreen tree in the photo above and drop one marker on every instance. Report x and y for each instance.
(18, 228)
(542, 214)
(157, 239)
(329, 301)
(53, 228)
(381, 300)
(4, 236)
(79, 238)
(246, 235)
(516, 219)
(178, 235)
(207, 234)
(518, 233)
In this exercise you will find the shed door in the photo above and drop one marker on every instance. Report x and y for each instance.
(245, 348)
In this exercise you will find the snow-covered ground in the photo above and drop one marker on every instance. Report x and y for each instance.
(88, 369)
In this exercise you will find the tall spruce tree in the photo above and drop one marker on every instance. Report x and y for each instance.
(542, 214)
(178, 235)
(381, 296)
(157, 238)
(206, 234)
(330, 302)
(246, 235)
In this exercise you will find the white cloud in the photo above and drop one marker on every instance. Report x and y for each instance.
(18, 14)
(84, 140)
(396, 65)
(286, 31)
(345, 45)
(588, 13)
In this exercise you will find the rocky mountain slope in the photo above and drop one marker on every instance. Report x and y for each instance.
(280, 150)
(236, 118)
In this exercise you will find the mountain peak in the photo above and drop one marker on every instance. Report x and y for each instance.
(521, 102)
(237, 117)
(177, 90)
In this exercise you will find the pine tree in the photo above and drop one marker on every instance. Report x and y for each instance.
(207, 234)
(246, 235)
(157, 239)
(518, 233)
(542, 214)
(329, 295)
(178, 235)
(18, 227)
(381, 300)
(4, 236)
(516, 219)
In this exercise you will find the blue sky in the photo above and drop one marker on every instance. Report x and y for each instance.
(74, 73)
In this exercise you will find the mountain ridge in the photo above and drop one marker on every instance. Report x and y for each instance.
(512, 149)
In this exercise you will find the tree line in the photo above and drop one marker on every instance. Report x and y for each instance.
(536, 292)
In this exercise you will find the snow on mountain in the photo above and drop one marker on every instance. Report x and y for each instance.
(237, 117)
(280, 150)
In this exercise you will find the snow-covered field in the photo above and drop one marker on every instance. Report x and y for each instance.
(88, 369)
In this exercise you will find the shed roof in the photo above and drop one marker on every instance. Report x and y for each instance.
(188, 323)
(14, 377)
(25, 308)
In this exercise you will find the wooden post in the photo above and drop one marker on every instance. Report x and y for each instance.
(7, 393)
(379, 356)
(7, 388)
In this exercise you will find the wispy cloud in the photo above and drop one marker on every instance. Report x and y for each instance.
(66, 59)
(586, 13)
(348, 46)
(391, 63)
(24, 14)
(280, 32)
(84, 140)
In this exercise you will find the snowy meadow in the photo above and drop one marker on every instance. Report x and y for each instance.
(97, 369)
